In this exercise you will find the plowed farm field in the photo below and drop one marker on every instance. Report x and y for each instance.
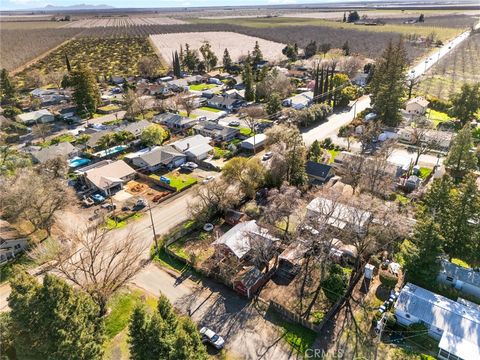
(238, 45)
(124, 21)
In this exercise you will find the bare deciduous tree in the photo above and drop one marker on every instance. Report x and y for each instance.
(35, 198)
(57, 167)
(99, 262)
(420, 139)
(187, 103)
(42, 130)
(213, 198)
(282, 203)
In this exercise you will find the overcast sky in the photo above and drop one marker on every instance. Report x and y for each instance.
(29, 4)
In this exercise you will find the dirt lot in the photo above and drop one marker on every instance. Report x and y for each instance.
(146, 189)
(238, 45)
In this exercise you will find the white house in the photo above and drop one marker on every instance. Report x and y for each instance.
(417, 105)
(463, 279)
(254, 142)
(11, 242)
(338, 215)
(456, 324)
(35, 117)
(299, 101)
(195, 147)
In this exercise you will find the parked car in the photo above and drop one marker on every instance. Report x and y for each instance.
(97, 198)
(189, 166)
(209, 336)
(208, 179)
(139, 205)
(267, 156)
(109, 207)
(87, 202)
(234, 123)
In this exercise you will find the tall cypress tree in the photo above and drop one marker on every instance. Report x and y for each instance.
(461, 158)
(67, 63)
(388, 84)
(7, 89)
(248, 81)
(316, 84)
(86, 92)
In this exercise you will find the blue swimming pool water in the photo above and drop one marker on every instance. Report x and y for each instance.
(76, 162)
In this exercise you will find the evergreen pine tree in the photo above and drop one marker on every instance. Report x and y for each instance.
(138, 341)
(461, 158)
(315, 152)
(248, 81)
(52, 320)
(165, 309)
(388, 84)
(422, 265)
(7, 89)
(188, 343)
(346, 48)
(257, 54)
(227, 60)
(437, 202)
(344, 17)
(86, 92)
(461, 234)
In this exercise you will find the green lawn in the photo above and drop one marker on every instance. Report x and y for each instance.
(170, 262)
(245, 131)
(298, 337)
(110, 108)
(333, 154)
(121, 307)
(177, 180)
(219, 152)
(58, 139)
(184, 113)
(178, 248)
(201, 87)
(437, 117)
(401, 199)
(208, 108)
(424, 172)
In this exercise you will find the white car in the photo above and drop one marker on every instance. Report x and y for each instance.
(267, 156)
(212, 338)
(208, 179)
(189, 166)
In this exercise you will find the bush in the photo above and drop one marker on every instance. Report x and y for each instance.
(439, 104)
(375, 261)
(335, 283)
(388, 279)
(317, 317)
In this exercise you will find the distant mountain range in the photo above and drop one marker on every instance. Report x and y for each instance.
(74, 7)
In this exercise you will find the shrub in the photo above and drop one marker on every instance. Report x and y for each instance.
(335, 283)
(439, 104)
(388, 279)
(375, 261)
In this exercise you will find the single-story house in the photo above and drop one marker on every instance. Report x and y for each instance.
(49, 97)
(63, 149)
(153, 89)
(136, 128)
(118, 80)
(299, 101)
(254, 142)
(178, 85)
(95, 136)
(35, 117)
(417, 105)
(441, 138)
(175, 121)
(318, 173)
(109, 177)
(463, 279)
(236, 241)
(11, 242)
(344, 157)
(216, 131)
(248, 281)
(226, 102)
(196, 147)
(159, 156)
(291, 259)
(455, 324)
(339, 215)
(194, 79)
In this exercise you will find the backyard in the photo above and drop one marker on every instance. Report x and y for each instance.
(177, 179)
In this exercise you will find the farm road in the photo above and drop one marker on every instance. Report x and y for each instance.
(247, 334)
(337, 120)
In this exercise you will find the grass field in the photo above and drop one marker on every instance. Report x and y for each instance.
(106, 56)
(451, 72)
(443, 33)
(208, 108)
(201, 87)
(177, 180)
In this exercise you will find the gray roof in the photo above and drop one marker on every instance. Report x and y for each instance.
(171, 119)
(161, 155)
(460, 324)
(94, 137)
(317, 169)
(193, 145)
(468, 276)
(136, 128)
(51, 152)
(217, 129)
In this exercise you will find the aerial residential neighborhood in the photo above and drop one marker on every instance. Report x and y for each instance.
(246, 180)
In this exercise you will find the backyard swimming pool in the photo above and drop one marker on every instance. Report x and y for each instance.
(78, 161)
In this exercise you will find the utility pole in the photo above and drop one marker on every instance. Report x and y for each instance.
(153, 226)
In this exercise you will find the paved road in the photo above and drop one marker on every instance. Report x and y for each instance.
(337, 120)
(247, 334)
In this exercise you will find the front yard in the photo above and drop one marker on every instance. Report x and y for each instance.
(178, 180)
(437, 117)
(208, 108)
(202, 87)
